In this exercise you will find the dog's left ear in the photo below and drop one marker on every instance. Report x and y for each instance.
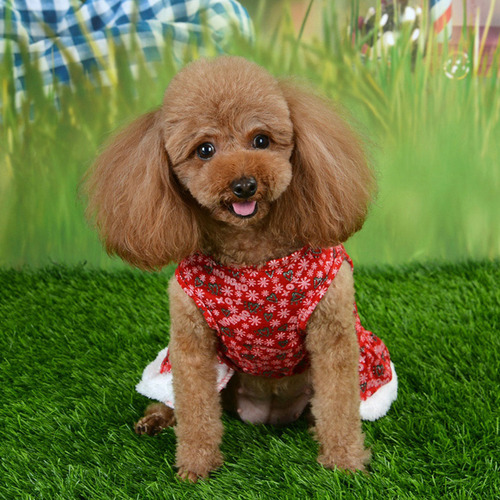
(332, 184)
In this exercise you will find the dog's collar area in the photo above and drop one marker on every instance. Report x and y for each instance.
(244, 209)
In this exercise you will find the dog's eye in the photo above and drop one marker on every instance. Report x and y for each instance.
(261, 141)
(205, 151)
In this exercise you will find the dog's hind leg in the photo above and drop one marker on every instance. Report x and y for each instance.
(157, 417)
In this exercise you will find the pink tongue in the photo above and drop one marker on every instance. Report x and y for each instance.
(245, 208)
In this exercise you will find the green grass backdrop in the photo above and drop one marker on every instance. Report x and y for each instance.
(433, 141)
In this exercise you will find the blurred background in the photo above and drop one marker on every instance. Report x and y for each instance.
(418, 80)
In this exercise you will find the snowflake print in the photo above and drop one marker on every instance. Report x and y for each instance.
(304, 284)
(303, 264)
(263, 282)
(253, 296)
(254, 320)
(283, 313)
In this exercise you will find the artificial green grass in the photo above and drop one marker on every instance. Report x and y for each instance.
(74, 343)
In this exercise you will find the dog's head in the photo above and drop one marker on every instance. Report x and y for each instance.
(236, 145)
(229, 138)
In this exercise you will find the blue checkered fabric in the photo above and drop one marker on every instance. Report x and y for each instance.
(58, 32)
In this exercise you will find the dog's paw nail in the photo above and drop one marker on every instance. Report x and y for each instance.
(188, 476)
(140, 429)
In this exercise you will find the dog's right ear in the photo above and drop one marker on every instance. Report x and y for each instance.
(136, 202)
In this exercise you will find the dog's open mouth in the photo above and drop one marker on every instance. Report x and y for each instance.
(244, 209)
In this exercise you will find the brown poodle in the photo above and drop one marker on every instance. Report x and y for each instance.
(251, 184)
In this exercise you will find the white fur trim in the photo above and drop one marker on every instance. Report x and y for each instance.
(378, 405)
(159, 386)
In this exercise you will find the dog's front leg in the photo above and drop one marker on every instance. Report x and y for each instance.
(334, 351)
(197, 403)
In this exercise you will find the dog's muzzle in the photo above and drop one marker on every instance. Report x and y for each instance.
(244, 189)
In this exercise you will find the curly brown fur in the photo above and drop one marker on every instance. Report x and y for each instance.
(155, 200)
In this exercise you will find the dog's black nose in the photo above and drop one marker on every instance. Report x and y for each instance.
(245, 187)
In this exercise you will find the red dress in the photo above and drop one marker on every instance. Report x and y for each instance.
(260, 314)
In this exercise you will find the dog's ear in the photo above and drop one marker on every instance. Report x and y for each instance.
(332, 184)
(135, 201)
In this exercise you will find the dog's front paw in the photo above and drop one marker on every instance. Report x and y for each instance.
(349, 459)
(199, 465)
(187, 475)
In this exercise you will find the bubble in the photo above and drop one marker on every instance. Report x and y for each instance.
(457, 66)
